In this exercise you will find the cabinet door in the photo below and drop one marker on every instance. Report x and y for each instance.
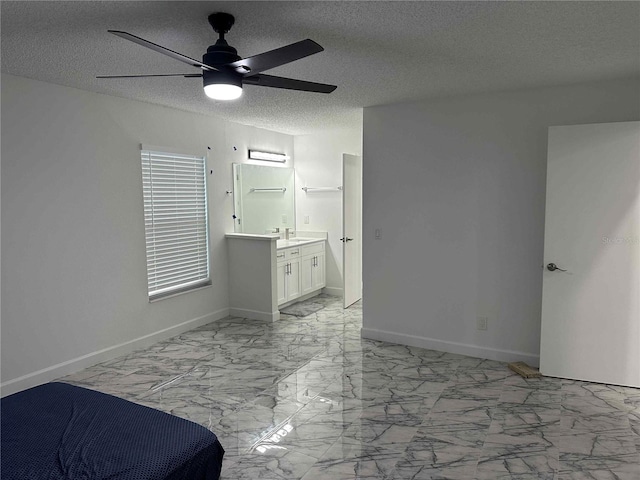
(306, 274)
(318, 278)
(282, 282)
(293, 280)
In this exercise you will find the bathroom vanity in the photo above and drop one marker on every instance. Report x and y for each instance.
(299, 269)
(267, 273)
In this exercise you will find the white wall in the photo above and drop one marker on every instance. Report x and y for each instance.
(73, 262)
(318, 160)
(457, 187)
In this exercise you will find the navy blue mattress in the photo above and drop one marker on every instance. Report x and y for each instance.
(59, 431)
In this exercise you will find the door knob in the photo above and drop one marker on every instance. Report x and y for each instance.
(552, 267)
(346, 239)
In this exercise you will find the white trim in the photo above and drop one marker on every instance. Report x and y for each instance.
(74, 365)
(451, 347)
(255, 314)
(335, 291)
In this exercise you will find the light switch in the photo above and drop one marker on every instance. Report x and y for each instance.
(306, 219)
(378, 233)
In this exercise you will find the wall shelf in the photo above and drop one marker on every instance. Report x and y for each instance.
(321, 189)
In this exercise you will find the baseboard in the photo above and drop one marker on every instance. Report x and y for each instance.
(71, 366)
(451, 347)
(255, 314)
(335, 291)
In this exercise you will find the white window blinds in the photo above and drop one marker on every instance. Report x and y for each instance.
(175, 218)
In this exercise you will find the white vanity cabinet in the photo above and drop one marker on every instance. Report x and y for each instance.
(267, 273)
(312, 268)
(288, 274)
(300, 270)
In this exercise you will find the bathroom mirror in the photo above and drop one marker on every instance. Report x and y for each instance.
(263, 198)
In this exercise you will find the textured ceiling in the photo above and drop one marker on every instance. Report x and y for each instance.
(376, 52)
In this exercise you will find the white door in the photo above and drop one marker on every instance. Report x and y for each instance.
(293, 280)
(318, 279)
(352, 228)
(281, 275)
(306, 274)
(591, 312)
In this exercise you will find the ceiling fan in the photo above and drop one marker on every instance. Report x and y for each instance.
(224, 72)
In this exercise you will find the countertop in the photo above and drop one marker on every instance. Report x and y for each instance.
(296, 242)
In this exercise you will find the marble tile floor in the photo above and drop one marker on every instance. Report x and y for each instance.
(307, 398)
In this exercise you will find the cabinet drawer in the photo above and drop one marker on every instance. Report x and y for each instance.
(292, 253)
(311, 249)
(288, 254)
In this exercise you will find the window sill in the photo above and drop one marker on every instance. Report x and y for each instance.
(180, 292)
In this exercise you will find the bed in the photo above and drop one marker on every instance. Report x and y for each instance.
(60, 431)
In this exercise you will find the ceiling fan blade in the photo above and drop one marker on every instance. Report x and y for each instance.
(185, 75)
(277, 57)
(288, 83)
(163, 50)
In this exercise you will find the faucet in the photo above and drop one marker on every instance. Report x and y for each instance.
(286, 233)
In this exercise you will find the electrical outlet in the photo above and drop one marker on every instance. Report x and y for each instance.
(306, 219)
(482, 323)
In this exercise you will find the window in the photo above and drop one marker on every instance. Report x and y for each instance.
(175, 220)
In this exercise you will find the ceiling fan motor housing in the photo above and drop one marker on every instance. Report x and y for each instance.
(218, 55)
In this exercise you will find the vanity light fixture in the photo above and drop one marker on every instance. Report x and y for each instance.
(269, 157)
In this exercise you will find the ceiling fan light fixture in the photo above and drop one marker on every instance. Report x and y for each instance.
(222, 91)
(222, 85)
